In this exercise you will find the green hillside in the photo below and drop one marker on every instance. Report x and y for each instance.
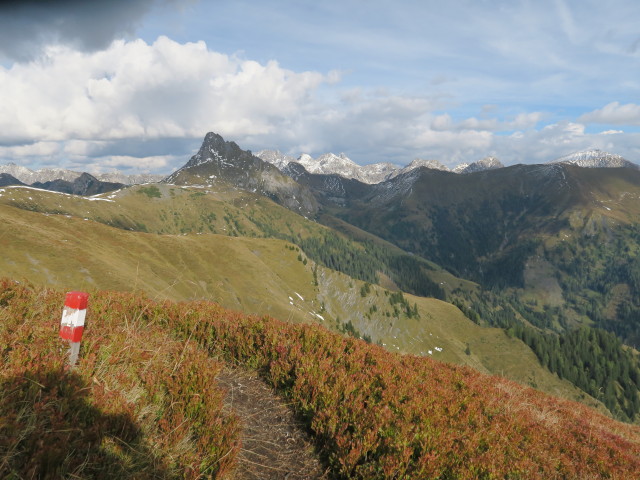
(553, 248)
(254, 275)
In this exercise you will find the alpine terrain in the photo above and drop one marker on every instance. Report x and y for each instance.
(408, 322)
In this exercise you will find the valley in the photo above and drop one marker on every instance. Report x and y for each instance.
(136, 240)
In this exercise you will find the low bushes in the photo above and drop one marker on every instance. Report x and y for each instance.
(146, 388)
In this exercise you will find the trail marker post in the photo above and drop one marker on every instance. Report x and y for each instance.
(72, 324)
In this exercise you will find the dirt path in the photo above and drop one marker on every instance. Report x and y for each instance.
(274, 444)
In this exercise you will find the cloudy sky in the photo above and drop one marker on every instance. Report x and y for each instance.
(135, 85)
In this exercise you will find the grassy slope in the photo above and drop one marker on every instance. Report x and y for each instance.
(374, 414)
(255, 275)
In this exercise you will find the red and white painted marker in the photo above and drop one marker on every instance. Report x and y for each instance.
(72, 324)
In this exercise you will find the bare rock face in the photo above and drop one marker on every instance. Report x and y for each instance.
(487, 163)
(222, 161)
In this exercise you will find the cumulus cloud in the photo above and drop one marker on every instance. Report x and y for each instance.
(135, 90)
(614, 114)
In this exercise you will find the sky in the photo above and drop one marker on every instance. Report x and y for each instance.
(135, 85)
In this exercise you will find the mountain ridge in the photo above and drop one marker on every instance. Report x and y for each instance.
(220, 160)
(486, 226)
(595, 159)
(332, 164)
(43, 175)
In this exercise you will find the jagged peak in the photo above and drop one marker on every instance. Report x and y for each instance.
(431, 163)
(486, 163)
(595, 158)
(460, 168)
(275, 157)
(332, 157)
(490, 161)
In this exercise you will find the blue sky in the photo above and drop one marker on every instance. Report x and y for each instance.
(135, 85)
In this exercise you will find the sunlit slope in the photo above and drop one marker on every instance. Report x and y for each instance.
(81, 254)
(168, 209)
(255, 275)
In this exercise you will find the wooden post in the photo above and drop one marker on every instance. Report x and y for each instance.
(72, 324)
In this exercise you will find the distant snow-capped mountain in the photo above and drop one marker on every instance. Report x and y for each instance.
(28, 176)
(44, 175)
(460, 168)
(595, 159)
(379, 172)
(433, 164)
(332, 164)
(276, 158)
(487, 163)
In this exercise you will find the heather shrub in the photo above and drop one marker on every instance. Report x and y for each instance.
(147, 382)
(139, 404)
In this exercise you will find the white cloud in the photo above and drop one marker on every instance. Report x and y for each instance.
(38, 149)
(133, 89)
(614, 114)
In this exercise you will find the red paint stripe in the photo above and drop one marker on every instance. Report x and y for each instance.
(77, 300)
(71, 333)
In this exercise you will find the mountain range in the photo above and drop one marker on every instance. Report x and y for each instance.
(548, 244)
(62, 180)
(545, 254)
(331, 164)
(43, 175)
(69, 181)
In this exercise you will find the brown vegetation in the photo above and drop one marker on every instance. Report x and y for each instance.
(373, 414)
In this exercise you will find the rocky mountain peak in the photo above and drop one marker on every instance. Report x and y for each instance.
(487, 163)
(433, 164)
(275, 157)
(214, 148)
(595, 158)
(460, 168)
(218, 160)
